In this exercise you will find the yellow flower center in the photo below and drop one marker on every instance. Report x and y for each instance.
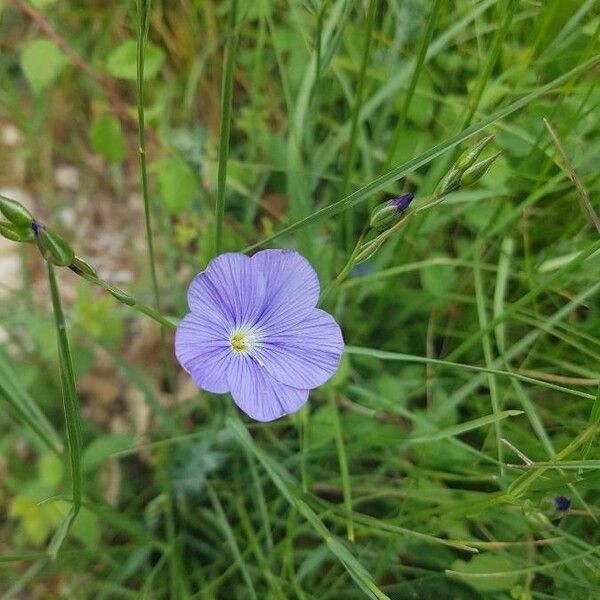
(239, 341)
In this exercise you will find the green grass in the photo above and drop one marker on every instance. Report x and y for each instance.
(468, 396)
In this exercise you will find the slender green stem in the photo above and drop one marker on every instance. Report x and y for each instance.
(142, 36)
(401, 124)
(130, 301)
(368, 34)
(143, 23)
(341, 276)
(226, 104)
(71, 410)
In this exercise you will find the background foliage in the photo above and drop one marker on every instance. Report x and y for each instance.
(405, 476)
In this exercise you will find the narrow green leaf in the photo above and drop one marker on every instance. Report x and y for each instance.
(463, 427)
(25, 407)
(71, 410)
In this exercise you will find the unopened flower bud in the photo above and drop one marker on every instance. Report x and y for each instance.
(8, 231)
(15, 212)
(561, 503)
(82, 267)
(477, 171)
(468, 157)
(535, 518)
(16, 234)
(450, 183)
(388, 212)
(53, 247)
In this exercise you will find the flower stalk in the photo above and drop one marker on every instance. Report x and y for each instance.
(392, 215)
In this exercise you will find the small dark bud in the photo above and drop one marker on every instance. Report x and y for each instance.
(388, 212)
(561, 503)
(53, 247)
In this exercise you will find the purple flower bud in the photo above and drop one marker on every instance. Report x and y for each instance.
(401, 203)
(561, 503)
(388, 212)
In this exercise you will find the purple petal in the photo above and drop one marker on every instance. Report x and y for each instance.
(292, 284)
(232, 286)
(303, 355)
(203, 350)
(259, 395)
(401, 203)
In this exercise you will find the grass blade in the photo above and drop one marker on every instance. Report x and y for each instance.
(343, 461)
(71, 409)
(225, 128)
(25, 407)
(397, 356)
(455, 430)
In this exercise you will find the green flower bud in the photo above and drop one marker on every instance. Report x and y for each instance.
(82, 267)
(53, 247)
(468, 157)
(535, 518)
(8, 231)
(121, 295)
(477, 171)
(388, 212)
(15, 212)
(450, 183)
(16, 234)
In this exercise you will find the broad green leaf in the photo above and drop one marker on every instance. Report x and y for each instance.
(103, 448)
(122, 61)
(42, 63)
(177, 184)
(107, 138)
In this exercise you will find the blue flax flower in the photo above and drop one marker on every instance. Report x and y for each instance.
(254, 331)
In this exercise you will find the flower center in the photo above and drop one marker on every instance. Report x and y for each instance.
(243, 341)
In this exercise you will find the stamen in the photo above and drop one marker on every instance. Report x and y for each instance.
(244, 340)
